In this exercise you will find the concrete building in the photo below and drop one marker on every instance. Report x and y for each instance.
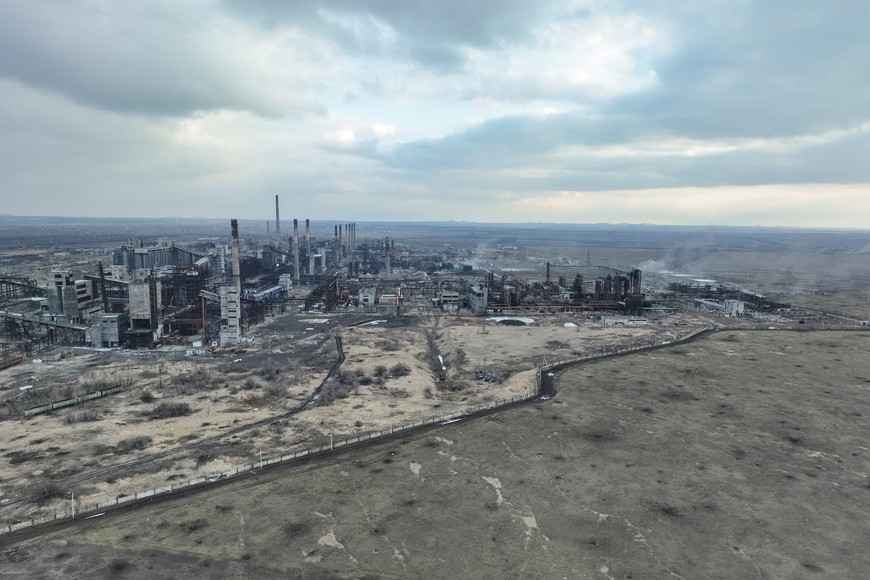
(231, 323)
(735, 308)
(58, 279)
(117, 272)
(146, 313)
(367, 299)
(447, 300)
(67, 296)
(231, 296)
(478, 299)
(134, 256)
(286, 282)
(84, 293)
(141, 301)
(107, 330)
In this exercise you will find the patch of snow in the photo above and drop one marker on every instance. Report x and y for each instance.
(496, 483)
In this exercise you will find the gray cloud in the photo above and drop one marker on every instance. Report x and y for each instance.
(760, 69)
(493, 149)
(131, 59)
(428, 33)
(373, 106)
(736, 73)
(507, 141)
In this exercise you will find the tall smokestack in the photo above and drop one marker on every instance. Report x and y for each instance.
(296, 250)
(308, 237)
(387, 252)
(237, 270)
(231, 297)
(277, 222)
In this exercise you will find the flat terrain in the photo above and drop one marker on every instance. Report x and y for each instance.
(742, 455)
(391, 376)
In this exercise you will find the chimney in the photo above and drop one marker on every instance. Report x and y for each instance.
(387, 260)
(296, 250)
(277, 223)
(237, 273)
(308, 237)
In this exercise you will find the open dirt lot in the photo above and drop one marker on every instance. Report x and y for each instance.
(391, 375)
(742, 455)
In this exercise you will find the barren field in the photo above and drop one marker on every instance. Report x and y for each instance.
(179, 417)
(168, 403)
(742, 455)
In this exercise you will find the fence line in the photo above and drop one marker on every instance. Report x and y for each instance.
(94, 508)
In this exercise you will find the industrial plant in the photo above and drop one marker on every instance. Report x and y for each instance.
(142, 365)
(208, 294)
(168, 292)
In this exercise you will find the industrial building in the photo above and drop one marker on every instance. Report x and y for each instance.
(478, 298)
(169, 292)
(135, 256)
(215, 291)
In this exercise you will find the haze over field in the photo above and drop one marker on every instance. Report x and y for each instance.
(557, 111)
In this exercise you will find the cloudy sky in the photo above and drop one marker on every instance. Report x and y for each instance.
(715, 112)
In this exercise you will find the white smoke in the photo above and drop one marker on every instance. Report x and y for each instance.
(653, 266)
